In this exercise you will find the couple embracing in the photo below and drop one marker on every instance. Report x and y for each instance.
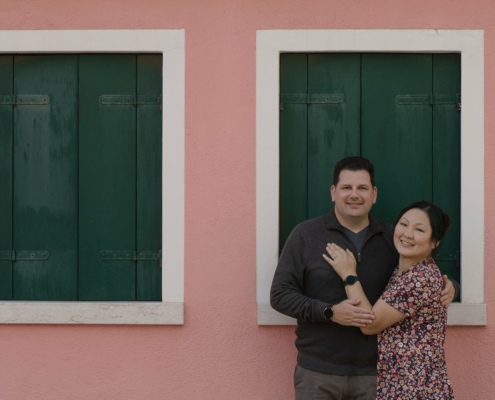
(370, 302)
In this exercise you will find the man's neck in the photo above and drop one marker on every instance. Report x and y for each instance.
(355, 225)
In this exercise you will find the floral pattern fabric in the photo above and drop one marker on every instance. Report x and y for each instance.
(411, 358)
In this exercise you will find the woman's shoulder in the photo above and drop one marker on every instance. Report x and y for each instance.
(427, 271)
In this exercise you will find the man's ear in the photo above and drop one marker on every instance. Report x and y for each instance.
(332, 193)
(375, 192)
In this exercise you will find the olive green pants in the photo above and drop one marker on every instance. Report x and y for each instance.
(310, 385)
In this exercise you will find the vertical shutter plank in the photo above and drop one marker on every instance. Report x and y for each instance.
(107, 177)
(333, 129)
(6, 88)
(397, 138)
(293, 146)
(149, 177)
(45, 179)
(447, 154)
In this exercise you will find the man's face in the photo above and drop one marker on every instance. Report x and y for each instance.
(354, 195)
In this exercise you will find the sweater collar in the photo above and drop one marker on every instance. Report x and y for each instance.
(333, 223)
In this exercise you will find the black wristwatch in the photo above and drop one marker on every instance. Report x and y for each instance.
(350, 280)
(328, 312)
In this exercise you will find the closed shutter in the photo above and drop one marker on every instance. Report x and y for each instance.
(6, 130)
(71, 211)
(415, 147)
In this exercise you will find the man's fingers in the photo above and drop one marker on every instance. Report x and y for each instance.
(354, 302)
(363, 321)
(361, 324)
(361, 311)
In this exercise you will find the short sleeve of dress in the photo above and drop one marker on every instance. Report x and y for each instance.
(410, 291)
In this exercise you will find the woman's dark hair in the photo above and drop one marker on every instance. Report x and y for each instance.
(353, 164)
(439, 220)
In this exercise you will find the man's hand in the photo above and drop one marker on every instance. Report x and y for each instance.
(448, 292)
(346, 313)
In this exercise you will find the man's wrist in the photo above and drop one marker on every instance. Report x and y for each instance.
(328, 313)
(457, 288)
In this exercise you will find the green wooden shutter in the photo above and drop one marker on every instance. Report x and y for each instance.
(293, 145)
(415, 147)
(447, 158)
(80, 176)
(6, 116)
(45, 178)
(333, 129)
(149, 177)
(107, 177)
(397, 138)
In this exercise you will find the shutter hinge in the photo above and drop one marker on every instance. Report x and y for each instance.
(130, 255)
(25, 100)
(334, 98)
(130, 99)
(450, 256)
(24, 255)
(429, 99)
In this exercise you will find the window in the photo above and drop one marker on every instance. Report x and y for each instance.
(83, 180)
(170, 43)
(270, 44)
(378, 106)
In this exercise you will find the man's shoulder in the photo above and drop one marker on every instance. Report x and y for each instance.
(387, 228)
(312, 225)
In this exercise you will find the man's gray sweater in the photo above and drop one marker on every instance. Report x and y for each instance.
(304, 284)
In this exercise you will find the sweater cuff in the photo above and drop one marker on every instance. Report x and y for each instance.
(457, 288)
(318, 309)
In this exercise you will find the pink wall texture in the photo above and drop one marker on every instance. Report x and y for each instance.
(220, 352)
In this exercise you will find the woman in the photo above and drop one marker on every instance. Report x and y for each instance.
(409, 319)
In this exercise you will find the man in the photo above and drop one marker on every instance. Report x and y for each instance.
(335, 359)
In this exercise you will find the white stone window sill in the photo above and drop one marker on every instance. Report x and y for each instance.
(458, 314)
(91, 313)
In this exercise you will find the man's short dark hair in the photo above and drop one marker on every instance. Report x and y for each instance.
(354, 164)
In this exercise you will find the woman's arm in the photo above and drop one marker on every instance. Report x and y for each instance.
(344, 263)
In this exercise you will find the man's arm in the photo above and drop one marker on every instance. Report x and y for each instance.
(288, 287)
(286, 295)
(451, 290)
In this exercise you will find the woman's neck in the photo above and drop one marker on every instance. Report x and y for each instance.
(405, 263)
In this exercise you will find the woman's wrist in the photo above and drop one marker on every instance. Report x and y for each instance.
(347, 273)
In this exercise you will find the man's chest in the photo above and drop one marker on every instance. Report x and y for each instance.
(375, 264)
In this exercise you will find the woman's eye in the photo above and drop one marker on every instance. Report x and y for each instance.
(421, 230)
(403, 224)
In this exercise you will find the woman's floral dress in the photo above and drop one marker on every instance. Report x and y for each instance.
(411, 358)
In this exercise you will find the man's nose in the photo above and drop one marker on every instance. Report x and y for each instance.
(354, 192)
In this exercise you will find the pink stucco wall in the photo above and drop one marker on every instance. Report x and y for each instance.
(221, 352)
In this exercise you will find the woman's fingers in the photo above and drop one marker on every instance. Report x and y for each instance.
(335, 250)
(328, 259)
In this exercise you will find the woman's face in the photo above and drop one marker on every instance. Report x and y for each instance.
(412, 236)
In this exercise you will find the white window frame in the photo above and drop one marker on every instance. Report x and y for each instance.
(470, 44)
(170, 43)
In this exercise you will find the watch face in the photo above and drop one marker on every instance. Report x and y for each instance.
(328, 313)
(351, 280)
